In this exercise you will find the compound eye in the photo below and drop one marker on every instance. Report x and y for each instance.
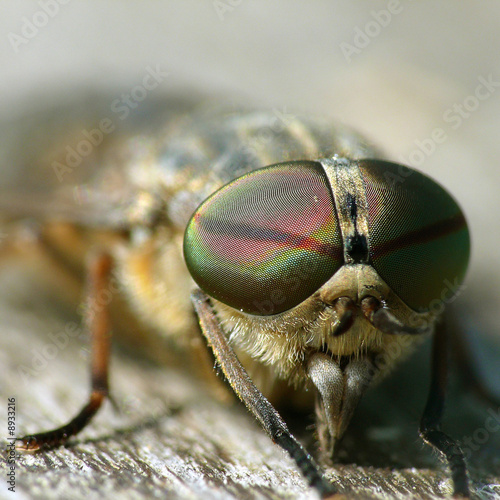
(268, 240)
(419, 240)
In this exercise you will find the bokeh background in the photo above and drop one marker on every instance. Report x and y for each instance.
(395, 71)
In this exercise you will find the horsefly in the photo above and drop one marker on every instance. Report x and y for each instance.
(306, 257)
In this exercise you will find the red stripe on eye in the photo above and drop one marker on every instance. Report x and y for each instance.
(240, 236)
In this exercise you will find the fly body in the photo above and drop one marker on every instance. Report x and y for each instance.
(312, 261)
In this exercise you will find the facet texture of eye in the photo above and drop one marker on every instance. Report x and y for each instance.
(266, 241)
(419, 240)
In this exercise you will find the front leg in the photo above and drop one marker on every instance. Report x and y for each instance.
(97, 321)
(253, 399)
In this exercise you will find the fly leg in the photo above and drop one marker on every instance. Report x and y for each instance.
(97, 321)
(430, 429)
(253, 399)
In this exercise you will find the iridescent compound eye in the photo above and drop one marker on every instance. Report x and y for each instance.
(266, 241)
(419, 240)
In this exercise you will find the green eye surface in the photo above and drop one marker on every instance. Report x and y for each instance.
(266, 241)
(419, 240)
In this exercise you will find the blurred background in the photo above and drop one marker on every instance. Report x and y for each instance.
(420, 79)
